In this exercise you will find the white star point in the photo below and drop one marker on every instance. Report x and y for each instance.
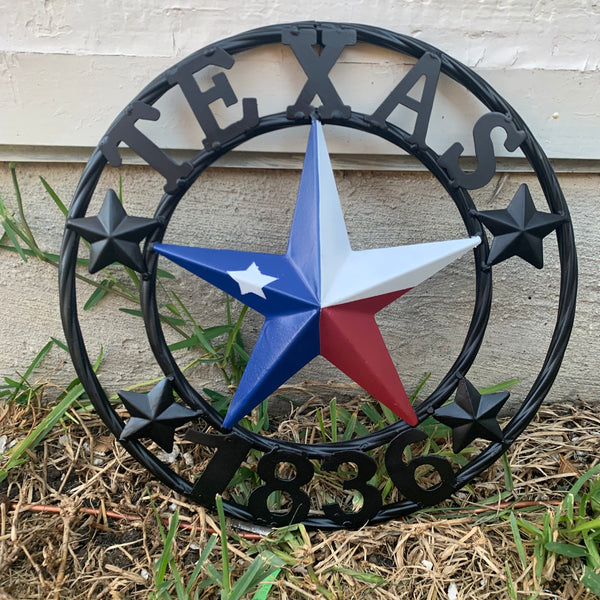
(251, 280)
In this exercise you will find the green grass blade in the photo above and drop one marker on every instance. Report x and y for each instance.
(435, 429)
(133, 276)
(63, 209)
(568, 508)
(531, 529)
(510, 586)
(163, 318)
(163, 561)
(60, 344)
(518, 541)
(261, 568)
(591, 580)
(12, 236)
(44, 427)
(27, 235)
(224, 549)
(593, 554)
(161, 529)
(509, 484)
(266, 585)
(220, 401)
(53, 260)
(241, 352)
(353, 425)
(593, 524)
(164, 274)
(569, 550)
(584, 478)
(216, 331)
(371, 578)
(212, 540)
(234, 332)
(371, 413)
(38, 359)
(350, 426)
(199, 333)
(423, 381)
(41, 431)
(254, 574)
(390, 416)
(499, 387)
(179, 587)
(214, 575)
(97, 295)
(321, 425)
(183, 307)
(184, 344)
(333, 419)
(594, 495)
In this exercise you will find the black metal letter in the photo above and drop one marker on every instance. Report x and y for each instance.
(124, 130)
(199, 101)
(317, 69)
(428, 66)
(484, 150)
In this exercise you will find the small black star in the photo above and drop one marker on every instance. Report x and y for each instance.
(114, 236)
(472, 415)
(519, 230)
(155, 415)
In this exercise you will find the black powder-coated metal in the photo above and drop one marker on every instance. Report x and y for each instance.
(232, 447)
(472, 415)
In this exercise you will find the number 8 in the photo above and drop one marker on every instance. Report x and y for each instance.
(267, 470)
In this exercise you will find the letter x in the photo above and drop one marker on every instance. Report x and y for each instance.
(317, 67)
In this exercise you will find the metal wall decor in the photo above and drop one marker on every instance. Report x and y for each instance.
(320, 297)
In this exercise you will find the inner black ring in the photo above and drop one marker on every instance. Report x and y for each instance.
(468, 353)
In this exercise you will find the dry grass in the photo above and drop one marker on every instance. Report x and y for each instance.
(82, 550)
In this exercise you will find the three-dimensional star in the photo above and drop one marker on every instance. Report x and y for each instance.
(323, 296)
(472, 415)
(155, 415)
(519, 229)
(251, 280)
(114, 236)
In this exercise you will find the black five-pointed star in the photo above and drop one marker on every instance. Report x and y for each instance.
(472, 415)
(155, 415)
(114, 236)
(519, 229)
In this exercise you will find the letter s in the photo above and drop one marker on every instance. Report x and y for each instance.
(484, 151)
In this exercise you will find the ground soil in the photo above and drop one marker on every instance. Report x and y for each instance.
(63, 535)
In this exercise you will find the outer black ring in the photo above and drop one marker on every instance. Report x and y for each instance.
(540, 164)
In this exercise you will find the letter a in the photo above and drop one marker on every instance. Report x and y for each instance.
(428, 66)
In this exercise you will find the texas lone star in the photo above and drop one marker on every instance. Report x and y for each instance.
(320, 297)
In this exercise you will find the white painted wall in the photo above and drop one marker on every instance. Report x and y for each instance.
(67, 67)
